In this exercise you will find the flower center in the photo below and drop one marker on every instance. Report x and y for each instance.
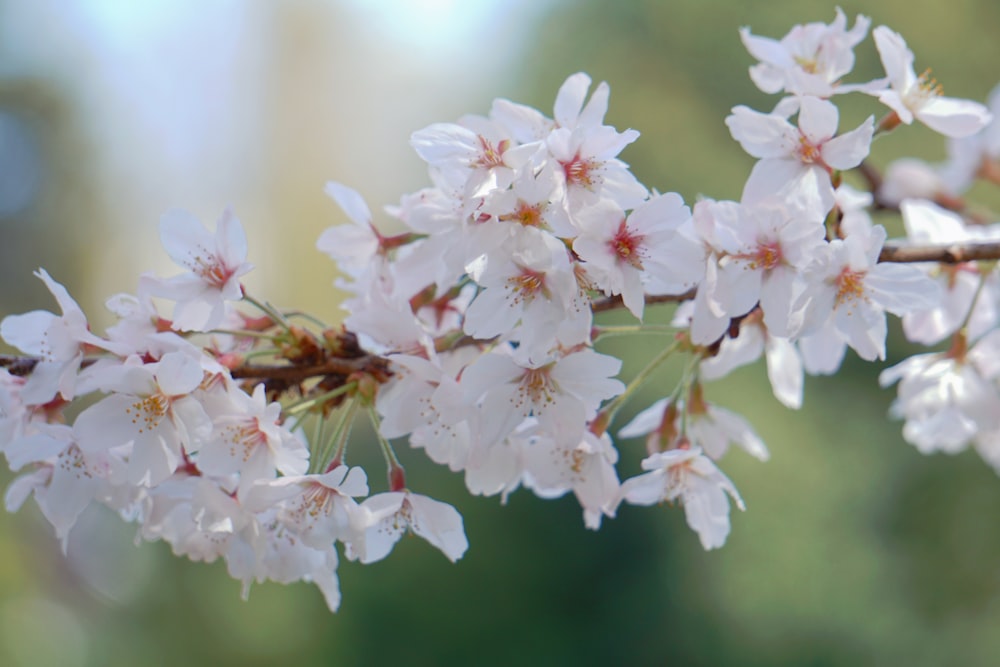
(850, 286)
(582, 172)
(627, 246)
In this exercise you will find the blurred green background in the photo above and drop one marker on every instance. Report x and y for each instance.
(854, 549)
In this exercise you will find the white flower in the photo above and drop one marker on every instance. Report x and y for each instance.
(561, 392)
(214, 262)
(59, 342)
(795, 162)
(810, 60)
(689, 476)
(621, 252)
(385, 517)
(849, 292)
(920, 97)
(153, 411)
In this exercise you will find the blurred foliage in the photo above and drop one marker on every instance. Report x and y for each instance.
(854, 549)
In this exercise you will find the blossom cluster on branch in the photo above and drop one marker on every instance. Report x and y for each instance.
(225, 431)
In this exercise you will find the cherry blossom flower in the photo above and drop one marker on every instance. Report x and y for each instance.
(214, 262)
(249, 439)
(59, 342)
(386, 516)
(848, 293)
(962, 286)
(687, 475)
(556, 464)
(562, 392)
(622, 252)
(810, 60)
(152, 410)
(919, 97)
(795, 162)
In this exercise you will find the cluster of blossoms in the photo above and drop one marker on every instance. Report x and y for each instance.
(472, 332)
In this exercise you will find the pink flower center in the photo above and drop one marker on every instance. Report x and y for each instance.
(581, 172)
(490, 156)
(627, 246)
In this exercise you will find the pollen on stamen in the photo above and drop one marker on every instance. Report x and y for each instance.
(526, 285)
(850, 286)
(581, 172)
(767, 257)
(808, 152)
(929, 85)
(525, 214)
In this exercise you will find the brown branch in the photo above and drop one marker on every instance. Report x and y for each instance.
(296, 374)
(946, 254)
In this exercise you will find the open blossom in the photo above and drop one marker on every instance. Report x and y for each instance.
(758, 254)
(59, 342)
(795, 162)
(355, 246)
(964, 286)
(622, 253)
(152, 410)
(946, 400)
(249, 439)
(710, 427)
(562, 392)
(214, 261)
(385, 517)
(848, 293)
(529, 294)
(810, 60)
(687, 475)
(919, 97)
(556, 464)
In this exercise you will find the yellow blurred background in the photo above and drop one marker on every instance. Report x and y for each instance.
(854, 548)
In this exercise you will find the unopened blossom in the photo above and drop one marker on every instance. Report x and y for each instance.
(810, 60)
(687, 475)
(920, 97)
(214, 263)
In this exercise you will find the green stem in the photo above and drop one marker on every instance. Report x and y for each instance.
(337, 442)
(268, 310)
(626, 329)
(306, 403)
(607, 413)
